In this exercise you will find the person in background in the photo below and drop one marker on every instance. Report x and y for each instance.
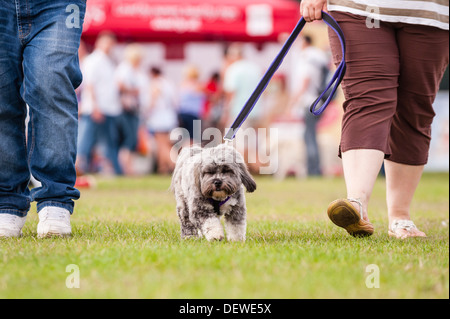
(212, 95)
(161, 118)
(191, 101)
(101, 103)
(87, 128)
(395, 62)
(290, 159)
(241, 77)
(131, 82)
(307, 79)
(213, 106)
(84, 180)
(82, 54)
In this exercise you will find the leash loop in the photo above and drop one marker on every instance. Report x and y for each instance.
(336, 79)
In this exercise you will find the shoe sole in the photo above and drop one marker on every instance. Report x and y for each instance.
(11, 235)
(51, 234)
(343, 214)
(48, 233)
(394, 235)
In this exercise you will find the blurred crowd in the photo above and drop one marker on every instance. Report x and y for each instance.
(127, 111)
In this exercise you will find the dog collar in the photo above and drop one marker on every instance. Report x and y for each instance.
(217, 204)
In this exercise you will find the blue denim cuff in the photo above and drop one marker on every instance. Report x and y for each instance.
(14, 212)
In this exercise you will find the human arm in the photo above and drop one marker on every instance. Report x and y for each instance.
(96, 114)
(125, 89)
(296, 97)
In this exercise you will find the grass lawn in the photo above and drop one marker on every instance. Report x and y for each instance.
(126, 244)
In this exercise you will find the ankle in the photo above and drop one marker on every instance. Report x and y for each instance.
(360, 205)
(398, 215)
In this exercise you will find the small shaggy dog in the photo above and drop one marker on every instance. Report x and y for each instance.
(209, 183)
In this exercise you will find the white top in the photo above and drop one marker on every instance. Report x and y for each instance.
(98, 71)
(133, 78)
(160, 112)
(433, 13)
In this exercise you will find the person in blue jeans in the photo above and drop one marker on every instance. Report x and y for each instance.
(39, 67)
(101, 111)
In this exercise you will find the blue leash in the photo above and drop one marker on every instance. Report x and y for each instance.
(336, 79)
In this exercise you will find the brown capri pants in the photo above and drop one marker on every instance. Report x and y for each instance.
(393, 75)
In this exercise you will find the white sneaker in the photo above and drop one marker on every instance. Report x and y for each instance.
(54, 221)
(11, 225)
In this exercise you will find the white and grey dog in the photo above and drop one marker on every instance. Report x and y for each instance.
(209, 183)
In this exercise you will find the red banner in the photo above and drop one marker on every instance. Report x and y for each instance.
(166, 21)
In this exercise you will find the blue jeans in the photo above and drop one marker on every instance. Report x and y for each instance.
(106, 134)
(39, 66)
(129, 129)
(88, 135)
(109, 135)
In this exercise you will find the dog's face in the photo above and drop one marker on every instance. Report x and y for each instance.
(218, 181)
(221, 173)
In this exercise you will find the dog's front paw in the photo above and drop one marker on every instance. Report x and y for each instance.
(212, 229)
(213, 236)
(189, 232)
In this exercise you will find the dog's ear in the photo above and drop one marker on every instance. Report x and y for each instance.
(246, 178)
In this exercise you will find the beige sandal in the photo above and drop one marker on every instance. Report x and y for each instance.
(343, 214)
(404, 224)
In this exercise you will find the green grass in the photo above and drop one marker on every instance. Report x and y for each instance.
(126, 244)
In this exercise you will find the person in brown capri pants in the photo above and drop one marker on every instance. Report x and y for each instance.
(394, 67)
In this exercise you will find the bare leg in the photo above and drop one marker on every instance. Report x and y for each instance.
(401, 183)
(361, 168)
(126, 159)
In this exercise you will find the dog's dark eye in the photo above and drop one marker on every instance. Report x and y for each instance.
(227, 170)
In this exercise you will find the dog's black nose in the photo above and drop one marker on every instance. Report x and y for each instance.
(217, 183)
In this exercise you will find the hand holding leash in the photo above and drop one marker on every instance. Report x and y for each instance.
(311, 10)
